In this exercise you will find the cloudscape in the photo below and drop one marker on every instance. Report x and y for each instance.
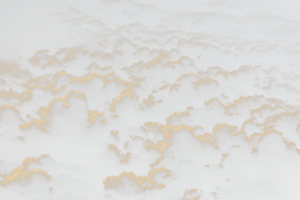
(143, 100)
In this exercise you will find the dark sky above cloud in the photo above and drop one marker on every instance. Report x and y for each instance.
(143, 99)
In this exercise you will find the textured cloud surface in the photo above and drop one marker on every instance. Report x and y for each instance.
(175, 100)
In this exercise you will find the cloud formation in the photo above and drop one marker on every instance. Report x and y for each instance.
(149, 100)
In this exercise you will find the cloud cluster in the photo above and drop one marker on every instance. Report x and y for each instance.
(150, 100)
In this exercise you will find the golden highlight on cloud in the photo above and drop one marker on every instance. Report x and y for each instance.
(175, 100)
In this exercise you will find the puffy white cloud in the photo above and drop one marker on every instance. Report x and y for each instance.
(113, 155)
(28, 182)
(62, 59)
(68, 118)
(228, 135)
(161, 68)
(126, 103)
(12, 75)
(193, 194)
(182, 142)
(284, 155)
(128, 184)
(35, 178)
(10, 117)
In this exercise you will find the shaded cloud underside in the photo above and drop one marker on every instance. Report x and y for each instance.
(146, 103)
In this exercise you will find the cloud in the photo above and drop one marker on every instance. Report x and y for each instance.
(58, 117)
(149, 100)
(193, 194)
(128, 184)
(12, 75)
(30, 179)
(251, 190)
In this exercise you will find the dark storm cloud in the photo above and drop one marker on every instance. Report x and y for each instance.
(139, 99)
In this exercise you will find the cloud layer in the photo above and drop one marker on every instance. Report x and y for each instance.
(182, 100)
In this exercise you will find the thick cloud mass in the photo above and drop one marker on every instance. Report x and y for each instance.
(175, 100)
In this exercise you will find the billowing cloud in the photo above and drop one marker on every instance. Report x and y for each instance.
(128, 184)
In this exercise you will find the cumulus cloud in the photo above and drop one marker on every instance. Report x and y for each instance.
(128, 184)
(149, 100)
(30, 179)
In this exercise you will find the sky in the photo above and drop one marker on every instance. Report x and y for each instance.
(176, 100)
